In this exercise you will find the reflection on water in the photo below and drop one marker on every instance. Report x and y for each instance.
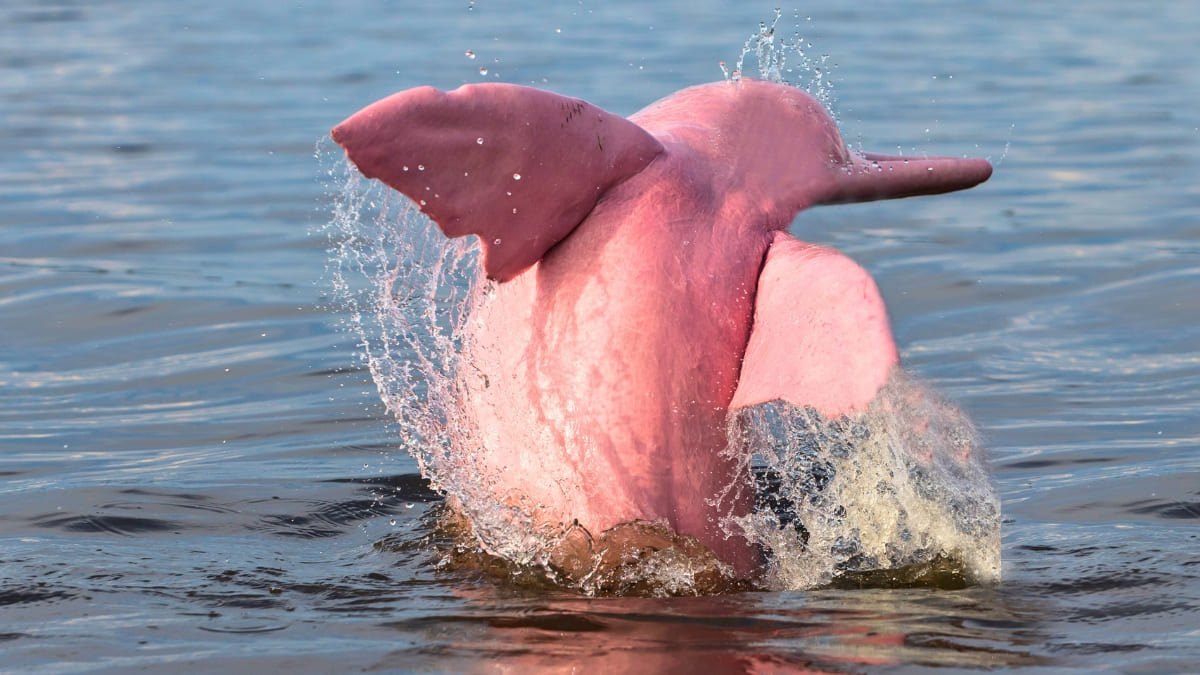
(194, 467)
(720, 634)
(258, 565)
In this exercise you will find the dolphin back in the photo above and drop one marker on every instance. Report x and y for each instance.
(517, 166)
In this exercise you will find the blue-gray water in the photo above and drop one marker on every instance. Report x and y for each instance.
(195, 472)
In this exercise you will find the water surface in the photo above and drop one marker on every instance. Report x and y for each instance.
(194, 466)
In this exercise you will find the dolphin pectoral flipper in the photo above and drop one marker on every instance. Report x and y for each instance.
(820, 336)
(517, 166)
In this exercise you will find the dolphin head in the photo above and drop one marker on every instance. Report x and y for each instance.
(779, 147)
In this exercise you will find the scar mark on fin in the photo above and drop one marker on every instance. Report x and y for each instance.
(572, 110)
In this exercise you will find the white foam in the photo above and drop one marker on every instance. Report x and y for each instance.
(900, 485)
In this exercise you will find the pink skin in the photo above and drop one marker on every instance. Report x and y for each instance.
(649, 286)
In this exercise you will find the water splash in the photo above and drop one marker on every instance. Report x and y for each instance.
(787, 60)
(405, 290)
(900, 486)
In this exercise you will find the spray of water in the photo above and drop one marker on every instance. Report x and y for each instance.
(405, 291)
(901, 487)
(786, 60)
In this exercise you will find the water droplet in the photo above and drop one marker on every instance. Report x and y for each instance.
(514, 212)
(392, 522)
(479, 140)
(470, 54)
(516, 176)
(420, 167)
(404, 167)
(496, 241)
(482, 70)
(422, 202)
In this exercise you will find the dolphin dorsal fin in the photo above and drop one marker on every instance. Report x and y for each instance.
(517, 166)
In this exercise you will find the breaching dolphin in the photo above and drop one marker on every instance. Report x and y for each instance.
(647, 287)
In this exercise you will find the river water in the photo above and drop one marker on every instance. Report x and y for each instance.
(196, 472)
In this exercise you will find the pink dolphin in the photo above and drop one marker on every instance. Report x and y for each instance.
(648, 286)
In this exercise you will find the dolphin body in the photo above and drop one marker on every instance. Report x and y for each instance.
(647, 286)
